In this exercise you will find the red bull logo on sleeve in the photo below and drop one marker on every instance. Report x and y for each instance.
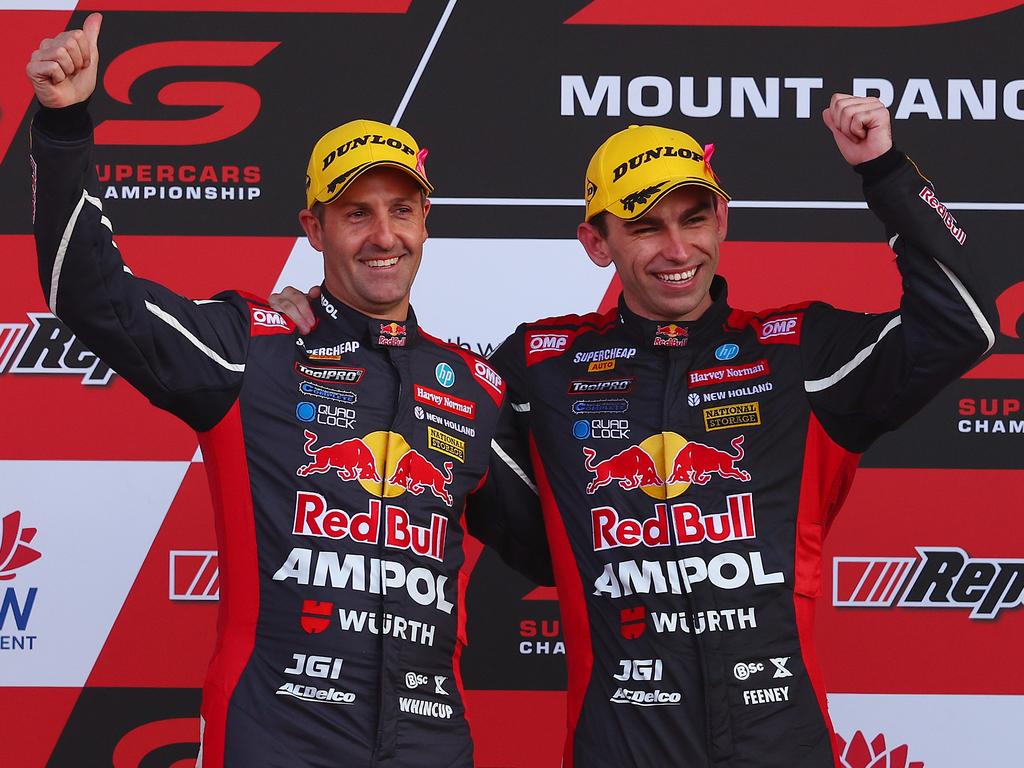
(648, 466)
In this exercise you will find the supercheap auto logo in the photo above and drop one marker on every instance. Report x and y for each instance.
(939, 577)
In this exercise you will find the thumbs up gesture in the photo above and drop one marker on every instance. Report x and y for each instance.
(63, 69)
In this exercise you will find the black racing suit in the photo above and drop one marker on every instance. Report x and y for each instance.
(339, 464)
(688, 474)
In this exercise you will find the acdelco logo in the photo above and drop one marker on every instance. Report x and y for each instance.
(238, 103)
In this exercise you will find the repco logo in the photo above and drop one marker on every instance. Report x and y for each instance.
(238, 104)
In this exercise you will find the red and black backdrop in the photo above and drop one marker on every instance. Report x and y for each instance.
(205, 114)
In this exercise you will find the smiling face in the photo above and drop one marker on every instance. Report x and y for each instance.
(372, 241)
(666, 258)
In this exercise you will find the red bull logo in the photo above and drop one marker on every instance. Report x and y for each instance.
(680, 524)
(696, 462)
(415, 473)
(352, 459)
(631, 468)
(391, 335)
(647, 466)
(314, 518)
(671, 335)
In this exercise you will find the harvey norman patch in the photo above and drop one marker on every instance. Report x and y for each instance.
(732, 416)
(724, 374)
(449, 445)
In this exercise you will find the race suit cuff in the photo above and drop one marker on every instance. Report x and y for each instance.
(65, 124)
(881, 166)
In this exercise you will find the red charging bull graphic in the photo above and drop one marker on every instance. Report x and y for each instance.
(352, 458)
(414, 473)
(696, 462)
(632, 468)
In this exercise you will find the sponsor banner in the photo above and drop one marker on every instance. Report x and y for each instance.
(724, 374)
(909, 559)
(67, 526)
(732, 416)
(976, 729)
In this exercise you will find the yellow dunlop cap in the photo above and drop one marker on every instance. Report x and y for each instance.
(636, 167)
(343, 154)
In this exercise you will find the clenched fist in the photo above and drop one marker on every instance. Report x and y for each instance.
(860, 125)
(63, 69)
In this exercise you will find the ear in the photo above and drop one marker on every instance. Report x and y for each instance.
(426, 210)
(594, 243)
(311, 225)
(722, 215)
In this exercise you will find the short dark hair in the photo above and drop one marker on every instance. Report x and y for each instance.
(600, 223)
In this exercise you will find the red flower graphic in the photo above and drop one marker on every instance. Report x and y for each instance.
(859, 754)
(14, 549)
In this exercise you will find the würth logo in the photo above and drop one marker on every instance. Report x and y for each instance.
(15, 551)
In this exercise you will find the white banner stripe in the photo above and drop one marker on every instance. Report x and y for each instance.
(423, 62)
(836, 205)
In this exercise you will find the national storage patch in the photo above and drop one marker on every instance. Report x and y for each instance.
(446, 444)
(732, 416)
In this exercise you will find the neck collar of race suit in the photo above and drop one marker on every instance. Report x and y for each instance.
(371, 330)
(676, 334)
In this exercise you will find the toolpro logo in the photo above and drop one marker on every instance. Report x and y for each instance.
(17, 604)
(358, 458)
(939, 577)
(637, 465)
